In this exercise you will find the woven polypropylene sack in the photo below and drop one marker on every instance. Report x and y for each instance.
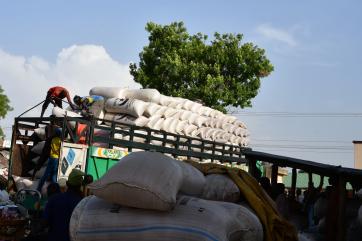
(126, 119)
(147, 95)
(151, 109)
(220, 187)
(108, 92)
(38, 148)
(192, 219)
(193, 180)
(125, 106)
(147, 180)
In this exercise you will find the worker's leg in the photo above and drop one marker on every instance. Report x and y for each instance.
(58, 102)
(49, 171)
(55, 170)
(44, 107)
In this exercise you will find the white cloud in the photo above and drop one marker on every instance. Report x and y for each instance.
(280, 35)
(78, 68)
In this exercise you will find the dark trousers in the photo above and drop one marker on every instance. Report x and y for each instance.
(58, 102)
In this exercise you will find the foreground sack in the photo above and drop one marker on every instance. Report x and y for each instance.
(192, 219)
(193, 181)
(220, 187)
(147, 180)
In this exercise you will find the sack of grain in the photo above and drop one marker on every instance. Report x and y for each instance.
(147, 180)
(108, 92)
(126, 119)
(38, 148)
(193, 180)
(146, 95)
(165, 100)
(155, 122)
(185, 115)
(169, 112)
(192, 219)
(220, 187)
(25, 183)
(125, 106)
(41, 133)
(151, 109)
(59, 112)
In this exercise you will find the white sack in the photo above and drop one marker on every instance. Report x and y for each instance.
(25, 183)
(220, 187)
(40, 132)
(59, 112)
(38, 148)
(125, 106)
(151, 109)
(147, 180)
(192, 219)
(147, 95)
(126, 119)
(193, 181)
(108, 92)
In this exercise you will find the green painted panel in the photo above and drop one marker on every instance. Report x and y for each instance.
(98, 166)
(101, 159)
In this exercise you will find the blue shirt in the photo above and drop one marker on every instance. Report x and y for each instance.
(58, 212)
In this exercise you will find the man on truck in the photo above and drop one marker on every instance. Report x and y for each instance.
(55, 95)
(52, 167)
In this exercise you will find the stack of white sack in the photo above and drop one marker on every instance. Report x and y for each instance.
(149, 196)
(147, 107)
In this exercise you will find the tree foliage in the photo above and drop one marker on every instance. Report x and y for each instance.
(4, 107)
(222, 72)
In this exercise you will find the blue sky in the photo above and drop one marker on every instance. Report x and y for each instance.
(314, 46)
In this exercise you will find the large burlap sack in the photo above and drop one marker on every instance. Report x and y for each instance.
(192, 219)
(38, 148)
(170, 125)
(108, 92)
(147, 95)
(193, 181)
(220, 187)
(147, 180)
(131, 107)
(126, 119)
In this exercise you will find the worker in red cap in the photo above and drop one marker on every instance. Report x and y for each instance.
(55, 96)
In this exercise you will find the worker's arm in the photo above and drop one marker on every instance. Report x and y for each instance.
(69, 100)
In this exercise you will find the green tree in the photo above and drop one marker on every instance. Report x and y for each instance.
(4, 107)
(222, 72)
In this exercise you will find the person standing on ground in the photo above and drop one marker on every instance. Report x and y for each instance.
(59, 208)
(52, 167)
(55, 96)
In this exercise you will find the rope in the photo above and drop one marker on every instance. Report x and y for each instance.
(31, 109)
